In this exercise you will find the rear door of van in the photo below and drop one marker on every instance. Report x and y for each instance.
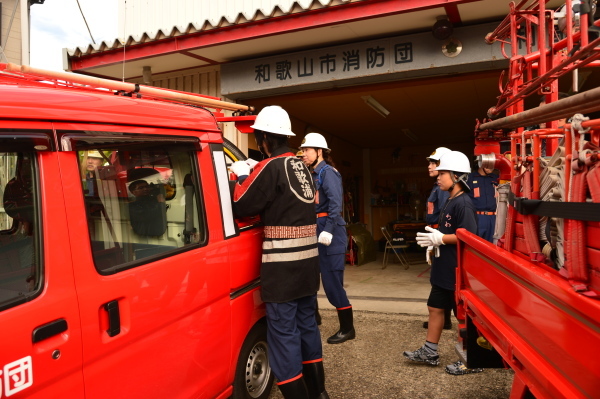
(151, 265)
(40, 338)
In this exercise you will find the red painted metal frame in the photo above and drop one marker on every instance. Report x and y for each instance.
(536, 317)
(533, 318)
(312, 19)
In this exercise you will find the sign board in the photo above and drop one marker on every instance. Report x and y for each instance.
(395, 58)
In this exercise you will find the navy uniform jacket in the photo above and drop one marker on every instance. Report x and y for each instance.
(483, 191)
(436, 200)
(280, 190)
(330, 194)
(456, 213)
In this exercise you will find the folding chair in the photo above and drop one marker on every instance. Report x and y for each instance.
(396, 249)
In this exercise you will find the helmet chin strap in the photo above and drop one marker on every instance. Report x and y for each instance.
(454, 181)
(316, 161)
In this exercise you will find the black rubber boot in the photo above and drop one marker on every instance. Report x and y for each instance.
(317, 314)
(447, 320)
(314, 375)
(294, 389)
(346, 330)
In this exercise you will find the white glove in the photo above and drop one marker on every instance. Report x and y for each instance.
(251, 162)
(432, 251)
(325, 238)
(433, 238)
(240, 168)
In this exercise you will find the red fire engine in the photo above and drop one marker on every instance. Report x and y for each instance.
(123, 271)
(532, 301)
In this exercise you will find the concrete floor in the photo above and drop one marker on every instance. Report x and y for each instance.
(390, 290)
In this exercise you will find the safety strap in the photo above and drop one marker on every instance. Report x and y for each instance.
(586, 211)
(318, 182)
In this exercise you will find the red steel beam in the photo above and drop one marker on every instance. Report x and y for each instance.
(352, 12)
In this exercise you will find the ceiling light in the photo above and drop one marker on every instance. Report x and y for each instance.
(371, 102)
(410, 134)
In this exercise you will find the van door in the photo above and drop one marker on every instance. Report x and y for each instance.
(40, 355)
(151, 265)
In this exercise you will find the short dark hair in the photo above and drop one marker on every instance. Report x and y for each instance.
(273, 141)
(134, 185)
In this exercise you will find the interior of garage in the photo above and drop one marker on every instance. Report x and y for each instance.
(381, 155)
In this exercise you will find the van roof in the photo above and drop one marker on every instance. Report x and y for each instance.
(27, 101)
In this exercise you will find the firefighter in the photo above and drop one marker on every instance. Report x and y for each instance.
(437, 198)
(457, 212)
(280, 190)
(483, 185)
(331, 230)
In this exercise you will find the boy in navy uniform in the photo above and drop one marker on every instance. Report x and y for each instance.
(457, 212)
(437, 199)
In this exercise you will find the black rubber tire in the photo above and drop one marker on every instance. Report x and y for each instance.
(233, 151)
(253, 376)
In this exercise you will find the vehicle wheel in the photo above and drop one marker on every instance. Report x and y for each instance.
(253, 376)
(232, 151)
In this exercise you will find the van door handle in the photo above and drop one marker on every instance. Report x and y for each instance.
(114, 318)
(48, 330)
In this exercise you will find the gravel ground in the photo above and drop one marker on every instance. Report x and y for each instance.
(372, 365)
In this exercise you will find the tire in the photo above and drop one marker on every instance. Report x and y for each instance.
(232, 151)
(253, 376)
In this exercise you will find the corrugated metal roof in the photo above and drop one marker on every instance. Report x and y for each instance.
(220, 14)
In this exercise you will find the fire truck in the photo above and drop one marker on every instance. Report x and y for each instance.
(531, 299)
(123, 271)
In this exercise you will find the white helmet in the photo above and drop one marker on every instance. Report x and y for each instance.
(273, 119)
(455, 161)
(437, 154)
(314, 140)
(94, 154)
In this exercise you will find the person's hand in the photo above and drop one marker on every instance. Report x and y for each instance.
(431, 239)
(251, 162)
(240, 168)
(325, 238)
(432, 251)
(428, 254)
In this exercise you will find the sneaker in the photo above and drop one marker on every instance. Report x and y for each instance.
(459, 368)
(421, 355)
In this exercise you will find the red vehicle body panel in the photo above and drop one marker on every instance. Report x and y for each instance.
(75, 105)
(57, 301)
(183, 318)
(532, 316)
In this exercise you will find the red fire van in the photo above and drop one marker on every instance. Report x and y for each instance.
(123, 272)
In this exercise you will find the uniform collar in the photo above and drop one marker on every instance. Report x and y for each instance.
(280, 151)
(320, 166)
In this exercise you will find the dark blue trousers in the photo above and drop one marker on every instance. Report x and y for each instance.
(485, 227)
(293, 336)
(332, 275)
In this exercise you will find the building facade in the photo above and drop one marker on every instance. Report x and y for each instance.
(385, 81)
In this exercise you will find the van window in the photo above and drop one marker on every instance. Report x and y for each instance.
(141, 203)
(20, 273)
